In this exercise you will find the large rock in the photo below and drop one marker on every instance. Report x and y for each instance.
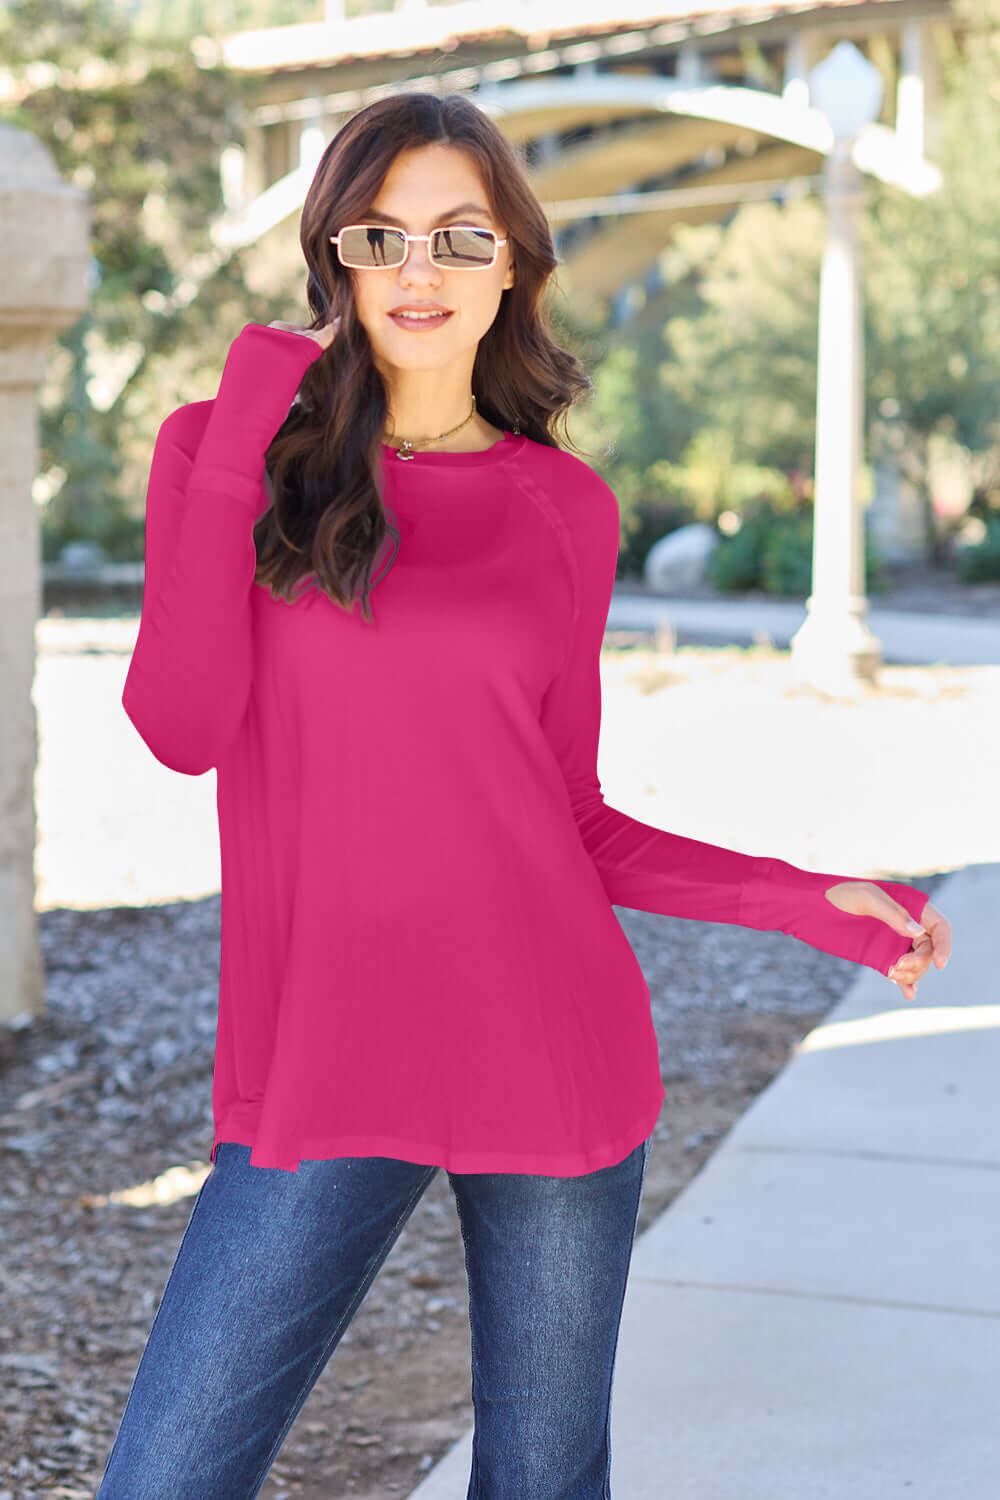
(679, 559)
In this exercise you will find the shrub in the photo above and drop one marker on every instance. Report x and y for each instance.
(786, 563)
(737, 560)
(772, 551)
(981, 563)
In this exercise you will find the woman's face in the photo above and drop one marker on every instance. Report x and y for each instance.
(426, 188)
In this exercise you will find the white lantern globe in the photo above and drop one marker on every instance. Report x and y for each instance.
(848, 89)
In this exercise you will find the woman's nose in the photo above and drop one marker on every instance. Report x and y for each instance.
(418, 262)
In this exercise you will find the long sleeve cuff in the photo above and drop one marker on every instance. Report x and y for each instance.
(780, 897)
(263, 371)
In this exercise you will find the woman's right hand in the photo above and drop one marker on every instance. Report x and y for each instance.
(323, 336)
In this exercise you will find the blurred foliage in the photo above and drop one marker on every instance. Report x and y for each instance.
(772, 551)
(934, 278)
(624, 430)
(743, 358)
(981, 563)
(710, 391)
(185, 18)
(139, 126)
(704, 402)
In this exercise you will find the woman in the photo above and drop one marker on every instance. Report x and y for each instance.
(421, 967)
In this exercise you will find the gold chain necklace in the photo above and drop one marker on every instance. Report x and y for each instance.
(408, 446)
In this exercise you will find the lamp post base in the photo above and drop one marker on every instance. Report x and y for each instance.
(834, 649)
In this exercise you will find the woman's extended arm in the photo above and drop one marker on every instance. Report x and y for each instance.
(189, 678)
(645, 867)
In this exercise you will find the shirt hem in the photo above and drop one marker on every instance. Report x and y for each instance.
(547, 1164)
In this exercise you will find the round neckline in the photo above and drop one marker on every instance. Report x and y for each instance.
(498, 452)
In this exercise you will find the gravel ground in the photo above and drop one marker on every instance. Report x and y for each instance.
(104, 1132)
(105, 1119)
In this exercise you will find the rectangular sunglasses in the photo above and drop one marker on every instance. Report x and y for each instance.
(463, 247)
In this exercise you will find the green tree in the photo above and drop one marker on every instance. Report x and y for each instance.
(736, 378)
(140, 126)
(633, 429)
(745, 356)
(934, 276)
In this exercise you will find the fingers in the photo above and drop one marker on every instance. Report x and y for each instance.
(323, 335)
(906, 980)
(932, 948)
(912, 966)
(939, 929)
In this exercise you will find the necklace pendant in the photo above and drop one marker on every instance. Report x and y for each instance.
(405, 449)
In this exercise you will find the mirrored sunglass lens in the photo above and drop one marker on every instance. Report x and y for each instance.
(462, 247)
(371, 245)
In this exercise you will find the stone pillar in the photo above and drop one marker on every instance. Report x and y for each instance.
(44, 260)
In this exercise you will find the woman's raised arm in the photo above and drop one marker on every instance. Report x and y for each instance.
(189, 677)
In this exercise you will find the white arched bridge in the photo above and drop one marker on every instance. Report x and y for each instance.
(627, 113)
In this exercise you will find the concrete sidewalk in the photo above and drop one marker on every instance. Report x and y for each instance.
(817, 1315)
(952, 640)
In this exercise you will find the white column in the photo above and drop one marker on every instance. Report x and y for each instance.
(796, 85)
(910, 89)
(312, 137)
(44, 264)
(546, 148)
(692, 65)
(802, 48)
(834, 648)
(232, 173)
(930, 70)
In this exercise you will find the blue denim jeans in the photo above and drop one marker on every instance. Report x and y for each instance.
(272, 1267)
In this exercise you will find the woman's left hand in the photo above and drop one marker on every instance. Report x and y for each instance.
(863, 898)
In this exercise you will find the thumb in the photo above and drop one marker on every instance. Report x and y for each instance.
(867, 898)
(899, 920)
(894, 914)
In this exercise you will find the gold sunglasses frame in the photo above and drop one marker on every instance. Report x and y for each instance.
(479, 229)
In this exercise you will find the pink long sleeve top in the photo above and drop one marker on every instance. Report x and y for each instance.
(419, 953)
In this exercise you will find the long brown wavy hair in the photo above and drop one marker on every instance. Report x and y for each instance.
(326, 521)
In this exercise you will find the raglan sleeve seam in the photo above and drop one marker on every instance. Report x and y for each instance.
(560, 530)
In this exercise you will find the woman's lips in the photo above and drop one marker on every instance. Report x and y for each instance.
(419, 325)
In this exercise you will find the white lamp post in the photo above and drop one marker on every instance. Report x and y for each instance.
(834, 649)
